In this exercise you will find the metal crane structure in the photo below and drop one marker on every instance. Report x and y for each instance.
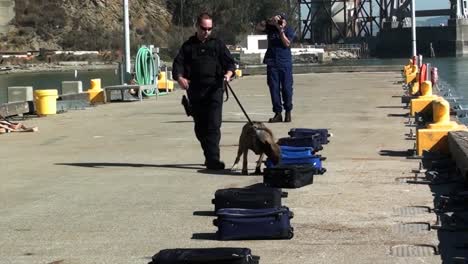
(338, 21)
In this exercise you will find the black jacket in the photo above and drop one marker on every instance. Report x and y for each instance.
(184, 61)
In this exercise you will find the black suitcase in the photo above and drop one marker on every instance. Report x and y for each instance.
(205, 256)
(308, 141)
(289, 176)
(304, 132)
(249, 198)
(269, 223)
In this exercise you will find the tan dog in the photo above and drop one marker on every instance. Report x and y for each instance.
(258, 138)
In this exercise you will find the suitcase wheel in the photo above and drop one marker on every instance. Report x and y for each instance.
(291, 214)
(323, 170)
(213, 201)
(290, 234)
(215, 222)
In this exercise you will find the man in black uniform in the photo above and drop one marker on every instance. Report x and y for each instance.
(201, 66)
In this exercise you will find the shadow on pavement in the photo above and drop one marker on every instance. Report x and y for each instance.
(394, 153)
(397, 115)
(204, 213)
(191, 121)
(205, 236)
(391, 107)
(198, 167)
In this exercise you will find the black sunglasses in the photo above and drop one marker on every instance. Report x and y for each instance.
(206, 28)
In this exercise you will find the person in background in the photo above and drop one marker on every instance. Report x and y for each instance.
(278, 59)
(201, 67)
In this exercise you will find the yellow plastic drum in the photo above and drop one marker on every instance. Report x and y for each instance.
(46, 102)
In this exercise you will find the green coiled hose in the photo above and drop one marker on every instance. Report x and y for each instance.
(146, 70)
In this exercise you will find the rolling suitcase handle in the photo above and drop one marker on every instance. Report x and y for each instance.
(280, 210)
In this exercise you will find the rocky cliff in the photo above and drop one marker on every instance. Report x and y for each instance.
(85, 24)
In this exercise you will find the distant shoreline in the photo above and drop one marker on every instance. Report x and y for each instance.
(49, 67)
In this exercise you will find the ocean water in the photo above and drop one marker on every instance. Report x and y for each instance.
(453, 72)
(53, 80)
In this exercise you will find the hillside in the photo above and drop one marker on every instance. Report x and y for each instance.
(85, 24)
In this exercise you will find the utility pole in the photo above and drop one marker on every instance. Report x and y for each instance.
(413, 26)
(127, 61)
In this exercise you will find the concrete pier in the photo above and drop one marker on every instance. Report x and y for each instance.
(119, 182)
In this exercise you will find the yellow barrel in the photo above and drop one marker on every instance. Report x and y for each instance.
(46, 102)
(95, 84)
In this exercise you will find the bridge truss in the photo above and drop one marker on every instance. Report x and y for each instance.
(335, 21)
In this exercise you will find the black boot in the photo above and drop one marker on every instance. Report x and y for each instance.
(215, 165)
(287, 117)
(277, 118)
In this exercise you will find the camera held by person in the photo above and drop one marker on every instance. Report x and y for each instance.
(278, 21)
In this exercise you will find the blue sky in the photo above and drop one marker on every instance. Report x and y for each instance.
(431, 4)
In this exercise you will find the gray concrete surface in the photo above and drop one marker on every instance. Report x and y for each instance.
(119, 182)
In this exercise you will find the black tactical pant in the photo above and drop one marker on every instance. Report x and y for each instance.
(207, 110)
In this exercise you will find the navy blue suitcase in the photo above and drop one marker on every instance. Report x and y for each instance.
(205, 256)
(315, 161)
(304, 132)
(256, 197)
(243, 224)
(298, 156)
(308, 141)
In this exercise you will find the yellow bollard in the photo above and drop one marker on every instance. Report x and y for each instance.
(414, 89)
(407, 67)
(426, 88)
(95, 92)
(238, 73)
(46, 102)
(435, 136)
(441, 110)
(411, 74)
(441, 115)
(423, 102)
(95, 84)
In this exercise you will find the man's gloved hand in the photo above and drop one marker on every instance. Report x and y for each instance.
(228, 76)
(183, 83)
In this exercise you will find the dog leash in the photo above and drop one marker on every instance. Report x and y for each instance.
(238, 102)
